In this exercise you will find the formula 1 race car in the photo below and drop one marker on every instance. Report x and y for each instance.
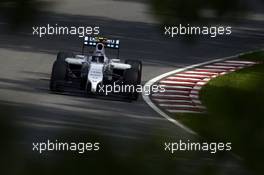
(92, 73)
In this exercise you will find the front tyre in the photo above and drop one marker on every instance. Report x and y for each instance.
(137, 66)
(63, 55)
(132, 78)
(58, 76)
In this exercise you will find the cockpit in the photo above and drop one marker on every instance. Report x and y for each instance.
(98, 59)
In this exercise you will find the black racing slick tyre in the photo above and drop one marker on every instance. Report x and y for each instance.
(132, 78)
(58, 76)
(63, 55)
(137, 66)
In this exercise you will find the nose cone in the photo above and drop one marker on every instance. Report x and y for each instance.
(95, 75)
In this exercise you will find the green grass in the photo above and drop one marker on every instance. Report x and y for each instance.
(235, 104)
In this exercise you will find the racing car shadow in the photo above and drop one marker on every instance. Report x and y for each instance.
(82, 94)
(43, 79)
(72, 91)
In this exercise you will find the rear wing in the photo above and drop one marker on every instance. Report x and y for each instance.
(108, 43)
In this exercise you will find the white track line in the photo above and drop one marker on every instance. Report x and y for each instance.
(220, 67)
(171, 101)
(193, 75)
(176, 91)
(176, 87)
(194, 92)
(183, 111)
(177, 105)
(197, 102)
(201, 83)
(197, 87)
(210, 70)
(177, 82)
(240, 62)
(200, 73)
(182, 106)
(194, 96)
(181, 78)
(229, 64)
(166, 95)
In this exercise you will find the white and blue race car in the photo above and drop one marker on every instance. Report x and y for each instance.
(91, 73)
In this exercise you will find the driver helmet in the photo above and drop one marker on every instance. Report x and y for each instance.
(98, 57)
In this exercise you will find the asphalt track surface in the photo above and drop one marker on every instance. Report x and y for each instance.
(26, 63)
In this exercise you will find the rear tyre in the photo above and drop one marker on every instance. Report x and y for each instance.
(58, 76)
(132, 78)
